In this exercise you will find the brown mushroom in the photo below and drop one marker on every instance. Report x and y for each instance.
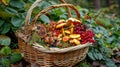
(74, 41)
(61, 24)
(67, 31)
(77, 42)
(72, 22)
(61, 21)
(42, 30)
(74, 36)
(71, 41)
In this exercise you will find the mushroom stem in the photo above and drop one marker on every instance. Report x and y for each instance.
(63, 31)
(72, 28)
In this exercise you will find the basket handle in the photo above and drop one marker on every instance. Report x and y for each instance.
(28, 16)
(55, 6)
(68, 10)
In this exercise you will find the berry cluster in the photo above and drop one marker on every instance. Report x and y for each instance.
(79, 29)
(86, 35)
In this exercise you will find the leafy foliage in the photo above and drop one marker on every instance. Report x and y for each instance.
(83, 64)
(5, 51)
(106, 28)
(4, 40)
(15, 57)
(107, 39)
(5, 62)
(36, 38)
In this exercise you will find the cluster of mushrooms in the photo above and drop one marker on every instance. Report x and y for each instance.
(67, 29)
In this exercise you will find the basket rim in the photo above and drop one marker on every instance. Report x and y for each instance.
(59, 50)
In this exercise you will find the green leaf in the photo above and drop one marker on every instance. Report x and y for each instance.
(105, 22)
(45, 19)
(15, 57)
(14, 29)
(100, 56)
(4, 40)
(1, 22)
(110, 64)
(5, 50)
(45, 4)
(83, 64)
(53, 2)
(17, 3)
(17, 21)
(95, 55)
(5, 62)
(63, 16)
(6, 2)
(91, 56)
(10, 10)
(110, 39)
(35, 38)
(41, 4)
(59, 11)
(1, 8)
(5, 29)
(4, 15)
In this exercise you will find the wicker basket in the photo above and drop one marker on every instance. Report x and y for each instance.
(55, 57)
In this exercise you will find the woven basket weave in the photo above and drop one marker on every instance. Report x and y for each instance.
(55, 57)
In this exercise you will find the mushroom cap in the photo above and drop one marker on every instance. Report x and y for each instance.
(71, 41)
(67, 31)
(76, 41)
(61, 21)
(60, 25)
(74, 21)
(65, 38)
(74, 36)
